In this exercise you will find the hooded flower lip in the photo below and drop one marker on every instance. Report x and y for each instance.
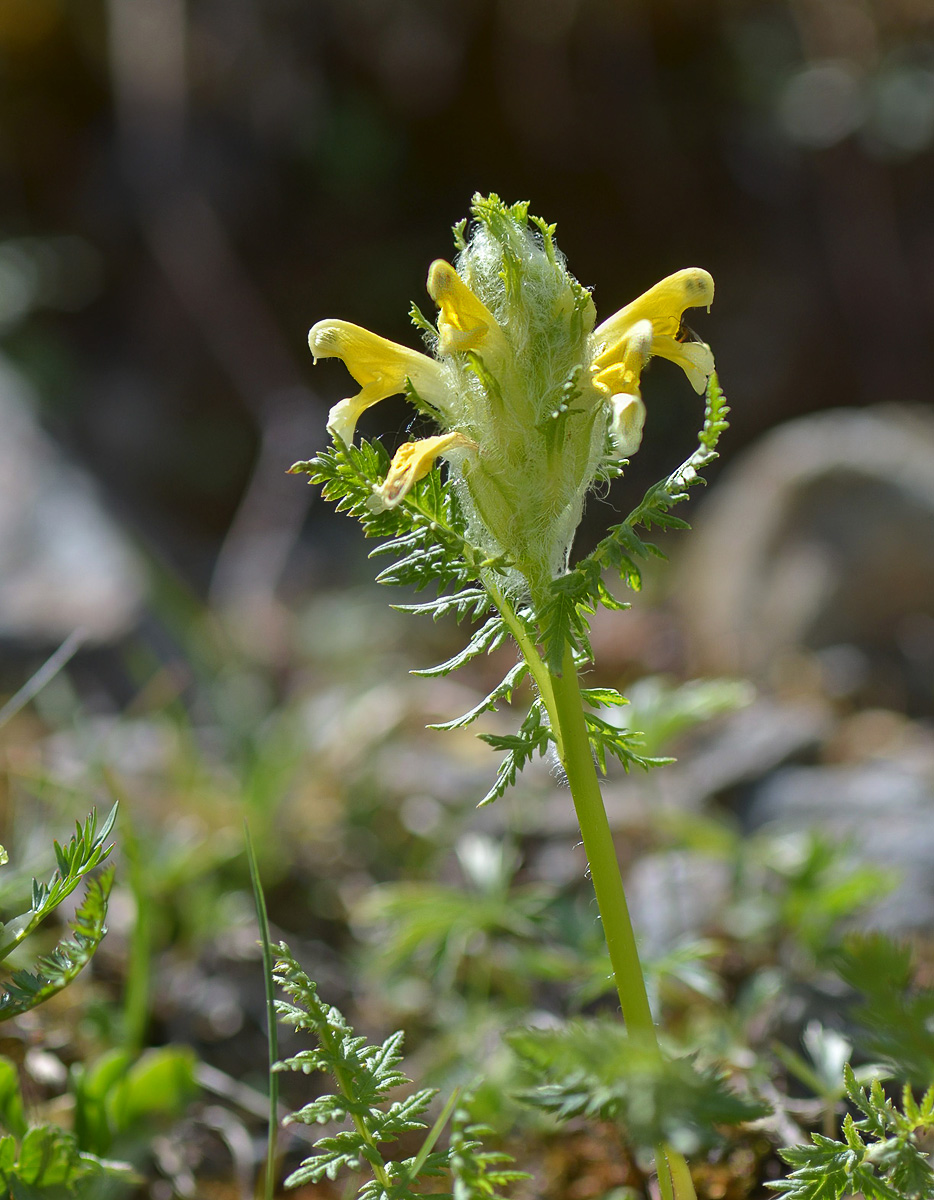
(663, 306)
(412, 462)
(465, 323)
(380, 367)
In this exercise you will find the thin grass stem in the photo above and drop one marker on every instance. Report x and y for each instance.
(46, 673)
(272, 1031)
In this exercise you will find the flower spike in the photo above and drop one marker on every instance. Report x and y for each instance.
(531, 403)
(412, 462)
(380, 367)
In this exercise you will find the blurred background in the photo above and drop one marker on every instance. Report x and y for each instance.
(185, 187)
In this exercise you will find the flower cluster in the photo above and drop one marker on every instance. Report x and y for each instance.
(531, 398)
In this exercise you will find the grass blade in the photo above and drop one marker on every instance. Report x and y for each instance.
(272, 1030)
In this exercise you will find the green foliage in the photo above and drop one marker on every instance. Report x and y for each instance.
(84, 852)
(44, 1162)
(118, 1096)
(428, 542)
(47, 1164)
(593, 1069)
(477, 1173)
(822, 887)
(606, 738)
(470, 937)
(365, 1075)
(663, 709)
(533, 737)
(895, 1019)
(563, 616)
(55, 971)
(12, 1110)
(502, 691)
(879, 1158)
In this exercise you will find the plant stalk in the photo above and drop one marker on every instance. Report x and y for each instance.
(574, 751)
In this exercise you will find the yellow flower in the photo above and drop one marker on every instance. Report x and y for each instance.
(464, 323)
(412, 462)
(663, 306)
(627, 418)
(380, 367)
(619, 369)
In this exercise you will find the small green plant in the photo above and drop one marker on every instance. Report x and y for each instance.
(53, 972)
(882, 1156)
(364, 1077)
(894, 1018)
(537, 405)
(44, 1161)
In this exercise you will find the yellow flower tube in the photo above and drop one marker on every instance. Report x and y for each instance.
(412, 462)
(380, 367)
(465, 323)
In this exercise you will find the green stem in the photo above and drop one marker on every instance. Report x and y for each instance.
(577, 760)
(562, 699)
(533, 659)
(573, 745)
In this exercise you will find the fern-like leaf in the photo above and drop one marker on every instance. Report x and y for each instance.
(502, 691)
(564, 614)
(85, 851)
(364, 1075)
(592, 1069)
(478, 1174)
(54, 972)
(532, 738)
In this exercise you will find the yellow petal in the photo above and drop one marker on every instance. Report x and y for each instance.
(465, 322)
(380, 367)
(695, 358)
(662, 304)
(619, 368)
(627, 418)
(412, 462)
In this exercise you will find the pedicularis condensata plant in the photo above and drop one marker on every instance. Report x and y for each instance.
(536, 403)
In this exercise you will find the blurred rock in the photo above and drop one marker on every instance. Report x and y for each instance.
(64, 564)
(821, 536)
(674, 896)
(883, 809)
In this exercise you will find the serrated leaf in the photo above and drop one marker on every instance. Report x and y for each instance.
(502, 691)
(55, 971)
(533, 738)
(82, 854)
(490, 636)
(603, 697)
